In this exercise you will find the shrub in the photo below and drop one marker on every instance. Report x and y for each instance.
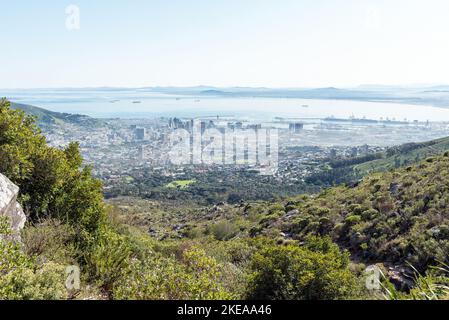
(109, 259)
(22, 279)
(196, 277)
(50, 240)
(296, 273)
(275, 208)
(352, 220)
(223, 230)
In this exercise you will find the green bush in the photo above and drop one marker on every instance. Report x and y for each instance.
(319, 271)
(22, 279)
(223, 230)
(50, 240)
(352, 220)
(196, 277)
(109, 260)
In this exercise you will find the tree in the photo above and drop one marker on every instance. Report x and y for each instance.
(20, 139)
(53, 183)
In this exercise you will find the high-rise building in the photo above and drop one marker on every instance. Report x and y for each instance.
(296, 127)
(203, 126)
(255, 126)
(140, 133)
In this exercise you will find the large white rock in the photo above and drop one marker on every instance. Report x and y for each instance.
(9, 207)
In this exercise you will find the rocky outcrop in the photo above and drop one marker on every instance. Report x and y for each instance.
(401, 277)
(10, 208)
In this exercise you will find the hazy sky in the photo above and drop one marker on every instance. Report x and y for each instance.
(275, 43)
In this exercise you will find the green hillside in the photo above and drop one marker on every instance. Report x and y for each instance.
(396, 216)
(404, 155)
(46, 117)
(350, 170)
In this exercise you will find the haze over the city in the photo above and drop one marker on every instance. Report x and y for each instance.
(224, 43)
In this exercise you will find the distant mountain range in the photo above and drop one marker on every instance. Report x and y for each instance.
(433, 95)
(423, 95)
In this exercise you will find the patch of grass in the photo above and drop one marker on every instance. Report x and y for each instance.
(180, 184)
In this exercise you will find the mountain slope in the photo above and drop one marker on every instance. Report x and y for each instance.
(396, 216)
(350, 170)
(47, 117)
(404, 155)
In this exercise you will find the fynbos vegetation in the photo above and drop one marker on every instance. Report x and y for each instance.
(307, 247)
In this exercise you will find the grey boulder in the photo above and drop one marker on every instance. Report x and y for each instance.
(10, 208)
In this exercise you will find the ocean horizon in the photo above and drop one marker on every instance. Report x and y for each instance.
(130, 103)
